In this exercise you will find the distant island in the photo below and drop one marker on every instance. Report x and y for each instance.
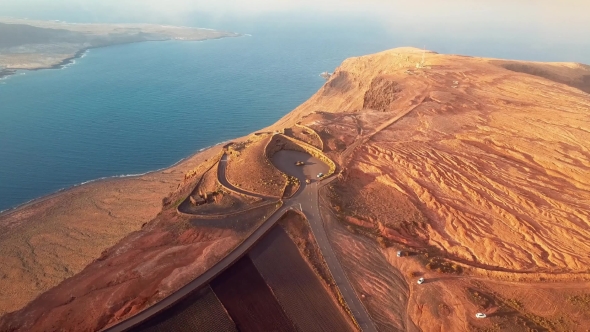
(32, 45)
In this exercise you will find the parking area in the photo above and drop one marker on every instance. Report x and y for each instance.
(285, 160)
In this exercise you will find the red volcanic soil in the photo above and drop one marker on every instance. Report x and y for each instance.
(494, 162)
(480, 168)
(139, 271)
(477, 169)
(386, 291)
(50, 240)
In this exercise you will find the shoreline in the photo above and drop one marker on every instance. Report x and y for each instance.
(43, 198)
(7, 72)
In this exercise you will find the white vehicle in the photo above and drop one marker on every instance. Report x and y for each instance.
(480, 315)
(320, 175)
(420, 281)
(399, 254)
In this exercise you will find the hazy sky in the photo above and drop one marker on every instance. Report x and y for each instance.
(547, 20)
(570, 11)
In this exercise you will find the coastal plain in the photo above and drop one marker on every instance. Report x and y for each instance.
(33, 44)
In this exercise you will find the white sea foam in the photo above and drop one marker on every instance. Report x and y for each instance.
(247, 35)
(69, 64)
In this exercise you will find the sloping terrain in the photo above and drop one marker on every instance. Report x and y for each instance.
(140, 270)
(475, 171)
(478, 167)
(199, 312)
(134, 274)
(295, 285)
(50, 240)
(573, 74)
(250, 170)
(497, 162)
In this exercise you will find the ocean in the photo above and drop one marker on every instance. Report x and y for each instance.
(131, 109)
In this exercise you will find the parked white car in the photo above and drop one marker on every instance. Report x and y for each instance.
(320, 175)
(420, 281)
(480, 315)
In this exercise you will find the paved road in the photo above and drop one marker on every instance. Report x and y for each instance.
(310, 206)
(305, 199)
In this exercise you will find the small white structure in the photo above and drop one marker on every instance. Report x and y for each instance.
(480, 315)
(420, 281)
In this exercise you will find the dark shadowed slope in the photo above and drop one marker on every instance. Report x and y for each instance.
(248, 299)
(296, 286)
(201, 311)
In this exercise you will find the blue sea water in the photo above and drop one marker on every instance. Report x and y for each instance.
(134, 108)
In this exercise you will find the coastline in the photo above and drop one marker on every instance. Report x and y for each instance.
(7, 212)
(74, 225)
(7, 72)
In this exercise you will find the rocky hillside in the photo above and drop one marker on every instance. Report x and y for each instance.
(477, 170)
(495, 160)
(478, 167)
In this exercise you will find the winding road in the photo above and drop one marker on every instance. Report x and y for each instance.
(305, 200)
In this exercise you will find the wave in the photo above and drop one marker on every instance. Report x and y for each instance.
(247, 35)
(69, 64)
(72, 61)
